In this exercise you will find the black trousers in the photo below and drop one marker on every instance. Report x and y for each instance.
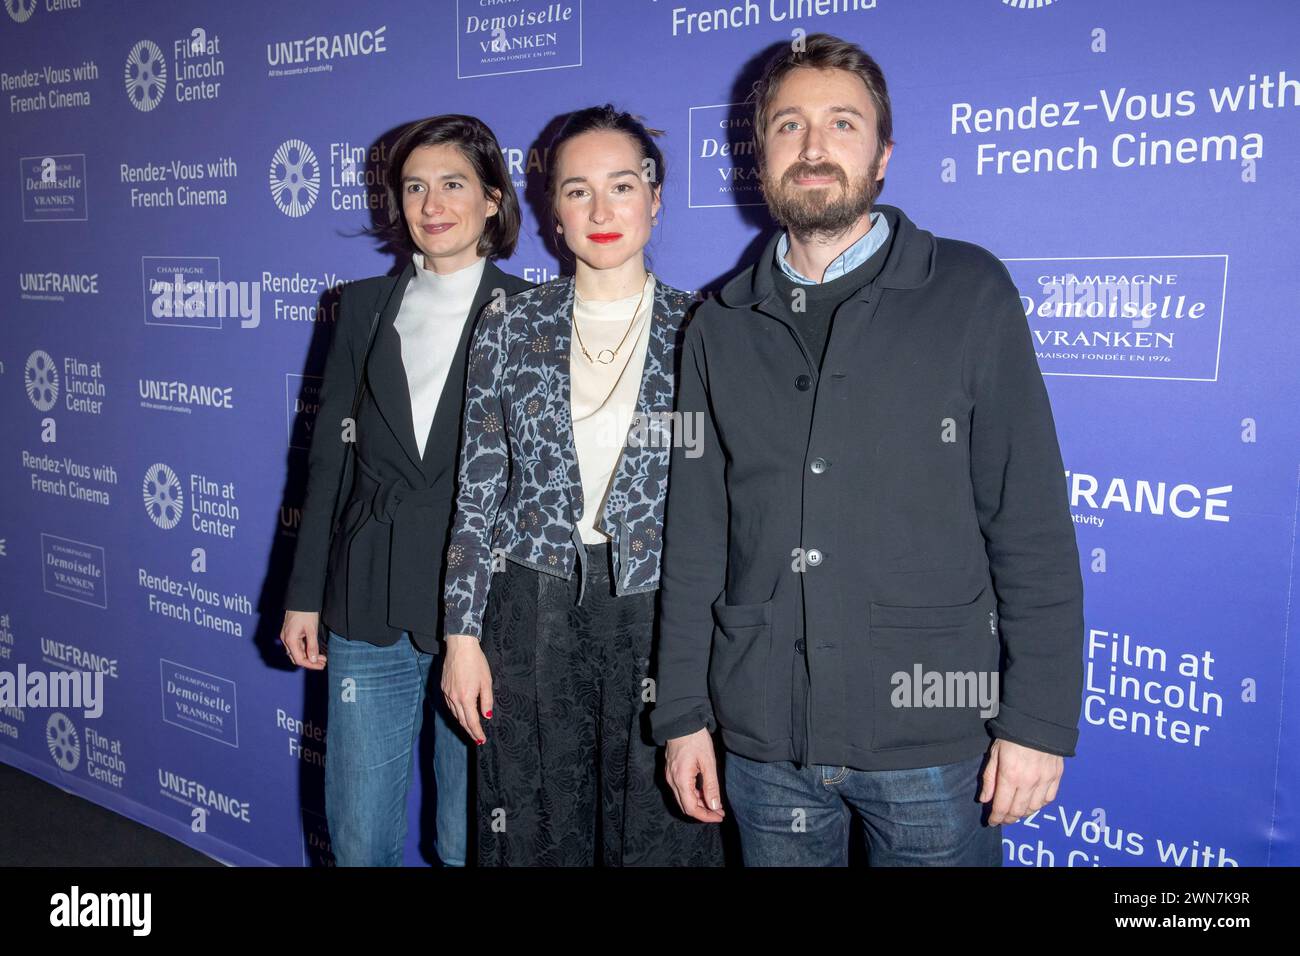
(569, 775)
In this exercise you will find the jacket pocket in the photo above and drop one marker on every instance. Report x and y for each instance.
(742, 636)
(933, 672)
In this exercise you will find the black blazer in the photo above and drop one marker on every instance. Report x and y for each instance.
(372, 539)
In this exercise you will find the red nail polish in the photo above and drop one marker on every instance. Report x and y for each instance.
(489, 713)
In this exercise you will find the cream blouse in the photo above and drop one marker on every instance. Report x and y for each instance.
(433, 312)
(604, 397)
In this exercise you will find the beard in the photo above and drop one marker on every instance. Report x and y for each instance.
(819, 211)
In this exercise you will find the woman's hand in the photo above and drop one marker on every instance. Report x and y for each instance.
(467, 683)
(299, 636)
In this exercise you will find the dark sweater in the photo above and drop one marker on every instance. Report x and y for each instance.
(823, 299)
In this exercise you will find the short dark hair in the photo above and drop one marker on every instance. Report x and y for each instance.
(822, 51)
(480, 148)
(605, 117)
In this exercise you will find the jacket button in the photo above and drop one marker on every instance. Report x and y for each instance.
(817, 465)
(799, 645)
(814, 556)
(803, 382)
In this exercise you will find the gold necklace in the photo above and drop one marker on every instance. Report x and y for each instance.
(600, 356)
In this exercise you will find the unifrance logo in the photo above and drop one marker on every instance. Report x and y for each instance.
(295, 178)
(164, 500)
(64, 741)
(1027, 4)
(146, 76)
(41, 379)
(20, 11)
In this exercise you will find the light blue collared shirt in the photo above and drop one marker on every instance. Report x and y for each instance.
(846, 261)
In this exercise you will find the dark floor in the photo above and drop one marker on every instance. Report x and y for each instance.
(42, 825)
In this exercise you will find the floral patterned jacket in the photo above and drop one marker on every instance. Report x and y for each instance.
(520, 491)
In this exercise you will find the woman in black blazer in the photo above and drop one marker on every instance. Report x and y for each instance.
(369, 558)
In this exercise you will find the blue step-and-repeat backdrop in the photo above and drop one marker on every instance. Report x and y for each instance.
(1133, 164)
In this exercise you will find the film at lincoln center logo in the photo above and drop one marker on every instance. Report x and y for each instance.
(146, 76)
(20, 11)
(295, 178)
(163, 498)
(64, 741)
(41, 379)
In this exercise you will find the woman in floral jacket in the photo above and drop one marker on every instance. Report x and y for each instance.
(553, 558)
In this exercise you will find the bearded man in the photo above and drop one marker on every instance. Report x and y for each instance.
(870, 583)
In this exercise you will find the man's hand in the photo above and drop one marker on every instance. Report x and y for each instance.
(1019, 780)
(686, 759)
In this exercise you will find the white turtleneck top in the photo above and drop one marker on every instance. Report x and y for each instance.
(432, 316)
(604, 397)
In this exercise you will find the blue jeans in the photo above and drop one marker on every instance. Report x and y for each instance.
(799, 816)
(376, 708)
